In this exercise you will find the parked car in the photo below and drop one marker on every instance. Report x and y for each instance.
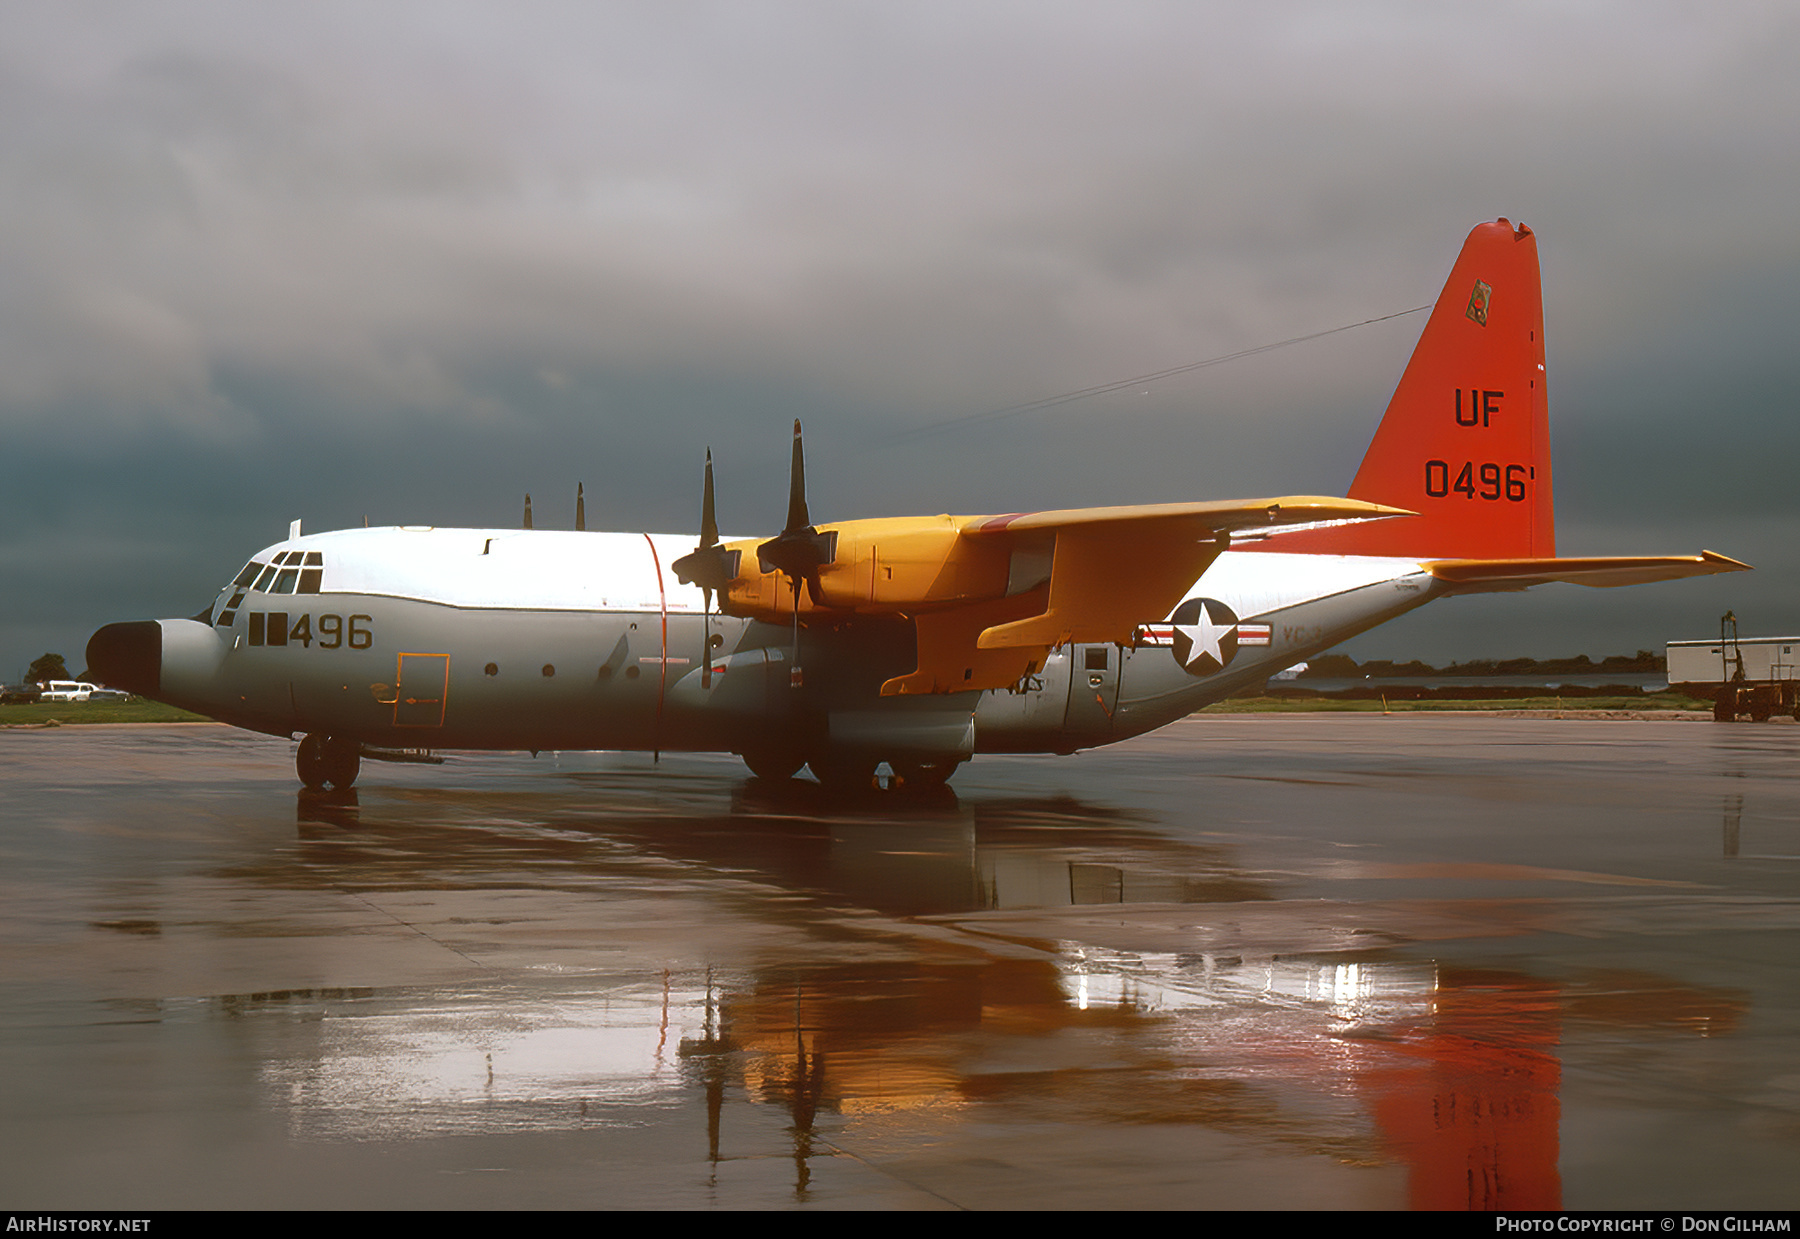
(70, 690)
(20, 694)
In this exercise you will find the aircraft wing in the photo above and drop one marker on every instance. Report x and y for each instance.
(1082, 575)
(1114, 566)
(1487, 575)
(1224, 516)
(989, 596)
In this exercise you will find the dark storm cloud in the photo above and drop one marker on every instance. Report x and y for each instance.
(410, 261)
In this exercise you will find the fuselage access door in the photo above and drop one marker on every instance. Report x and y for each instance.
(1094, 674)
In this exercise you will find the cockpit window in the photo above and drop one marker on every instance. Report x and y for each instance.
(230, 611)
(288, 572)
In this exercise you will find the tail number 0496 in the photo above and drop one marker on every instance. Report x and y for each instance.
(1483, 481)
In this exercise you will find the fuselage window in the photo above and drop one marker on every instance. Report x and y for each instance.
(309, 580)
(549, 671)
(491, 669)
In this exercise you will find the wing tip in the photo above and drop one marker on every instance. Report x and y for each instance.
(1321, 508)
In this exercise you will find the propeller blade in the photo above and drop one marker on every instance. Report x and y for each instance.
(580, 510)
(709, 527)
(706, 638)
(708, 565)
(527, 510)
(797, 518)
(799, 550)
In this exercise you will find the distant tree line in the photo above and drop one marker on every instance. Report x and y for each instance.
(1342, 666)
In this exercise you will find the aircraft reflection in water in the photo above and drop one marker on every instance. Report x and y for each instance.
(1448, 1070)
(915, 642)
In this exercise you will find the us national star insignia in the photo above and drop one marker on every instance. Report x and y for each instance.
(1206, 635)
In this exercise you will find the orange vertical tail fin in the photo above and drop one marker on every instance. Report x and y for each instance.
(1465, 441)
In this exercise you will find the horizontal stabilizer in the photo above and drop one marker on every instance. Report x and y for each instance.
(1478, 575)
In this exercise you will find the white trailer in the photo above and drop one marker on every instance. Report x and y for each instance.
(1758, 676)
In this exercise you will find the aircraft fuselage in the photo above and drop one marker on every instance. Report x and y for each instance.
(511, 639)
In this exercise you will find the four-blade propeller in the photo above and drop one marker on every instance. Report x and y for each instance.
(708, 565)
(799, 550)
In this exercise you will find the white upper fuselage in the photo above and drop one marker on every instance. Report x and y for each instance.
(559, 570)
(503, 569)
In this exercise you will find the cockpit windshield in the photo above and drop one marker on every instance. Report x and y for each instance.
(286, 572)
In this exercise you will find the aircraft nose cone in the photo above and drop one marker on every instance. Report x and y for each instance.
(128, 656)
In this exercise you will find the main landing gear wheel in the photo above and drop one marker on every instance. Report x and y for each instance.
(844, 772)
(924, 775)
(328, 761)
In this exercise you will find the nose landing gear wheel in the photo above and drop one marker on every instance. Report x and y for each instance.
(774, 764)
(328, 761)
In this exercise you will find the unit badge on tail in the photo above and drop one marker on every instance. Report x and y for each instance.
(1479, 301)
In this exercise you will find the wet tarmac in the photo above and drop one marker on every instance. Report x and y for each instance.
(1329, 962)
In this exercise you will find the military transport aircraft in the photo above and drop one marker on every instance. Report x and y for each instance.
(915, 642)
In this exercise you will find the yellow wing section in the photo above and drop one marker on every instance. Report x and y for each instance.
(1484, 575)
(1115, 568)
(991, 596)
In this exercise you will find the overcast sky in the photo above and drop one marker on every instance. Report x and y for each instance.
(410, 261)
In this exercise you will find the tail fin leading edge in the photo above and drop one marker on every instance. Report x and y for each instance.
(1465, 441)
